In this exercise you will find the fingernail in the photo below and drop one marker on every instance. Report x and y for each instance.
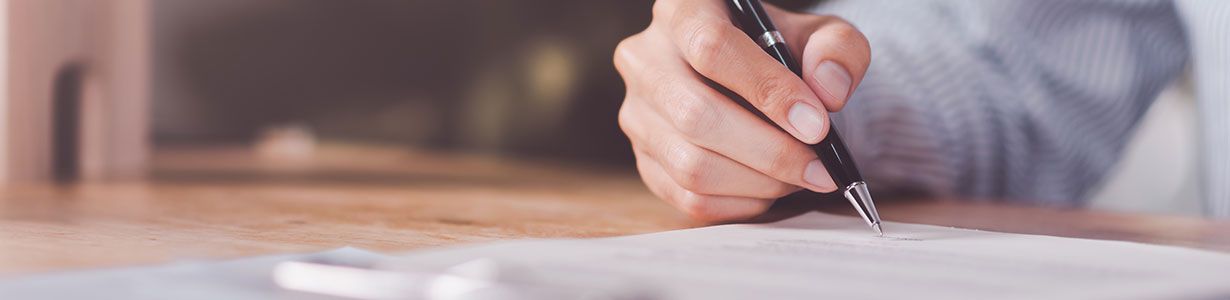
(806, 120)
(833, 79)
(817, 175)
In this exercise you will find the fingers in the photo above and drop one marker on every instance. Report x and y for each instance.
(705, 37)
(698, 206)
(706, 118)
(836, 55)
(694, 168)
(676, 103)
(703, 152)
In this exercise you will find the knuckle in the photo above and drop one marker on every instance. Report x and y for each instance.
(697, 206)
(624, 54)
(624, 118)
(694, 116)
(782, 161)
(691, 180)
(704, 43)
(688, 167)
(644, 164)
(771, 93)
(620, 57)
(663, 9)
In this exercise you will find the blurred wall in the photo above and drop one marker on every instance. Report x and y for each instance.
(529, 77)
(505, 76)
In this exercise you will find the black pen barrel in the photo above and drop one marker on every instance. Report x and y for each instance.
(751, 18)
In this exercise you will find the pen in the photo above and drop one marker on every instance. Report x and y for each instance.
(750, 17)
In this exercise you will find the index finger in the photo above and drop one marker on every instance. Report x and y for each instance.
(715, 48)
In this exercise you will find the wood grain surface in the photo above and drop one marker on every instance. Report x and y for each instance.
(211, 203)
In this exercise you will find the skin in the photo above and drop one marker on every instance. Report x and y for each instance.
(700, 151)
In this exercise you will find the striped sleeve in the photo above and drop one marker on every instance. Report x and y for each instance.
(1208, 30)
(1024, 100)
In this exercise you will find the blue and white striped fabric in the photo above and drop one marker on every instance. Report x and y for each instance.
(1208, 31)
(1030, 100)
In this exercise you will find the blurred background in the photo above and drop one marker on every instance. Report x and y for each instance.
(95, 88)
(530, 78)
(509, 77)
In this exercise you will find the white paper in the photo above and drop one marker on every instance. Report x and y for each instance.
(247, 278)
(814, 256)
(820, 256)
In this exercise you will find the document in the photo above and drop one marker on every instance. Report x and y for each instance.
(812, 256)
(822, 256)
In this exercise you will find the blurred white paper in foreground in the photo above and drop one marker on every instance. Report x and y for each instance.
(821, 256)
(813, 256)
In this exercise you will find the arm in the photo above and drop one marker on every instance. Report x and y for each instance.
(1030, 100)
(1208, 29)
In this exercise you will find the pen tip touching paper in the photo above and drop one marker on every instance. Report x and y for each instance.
(860, 198)
(879, 231)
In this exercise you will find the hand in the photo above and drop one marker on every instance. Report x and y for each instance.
(701, 151)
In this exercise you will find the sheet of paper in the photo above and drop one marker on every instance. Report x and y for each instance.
(814, 256)
(820, 256)
(238, 279)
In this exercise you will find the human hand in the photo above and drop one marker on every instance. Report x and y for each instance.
(698, 149)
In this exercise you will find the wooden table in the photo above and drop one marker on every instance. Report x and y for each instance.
(227, 202)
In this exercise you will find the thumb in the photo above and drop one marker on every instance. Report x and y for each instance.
(835, 58)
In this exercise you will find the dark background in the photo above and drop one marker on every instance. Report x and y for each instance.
(529, 77)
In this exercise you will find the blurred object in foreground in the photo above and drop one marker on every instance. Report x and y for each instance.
(473, 279)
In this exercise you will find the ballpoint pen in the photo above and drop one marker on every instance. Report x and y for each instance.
(751, 17)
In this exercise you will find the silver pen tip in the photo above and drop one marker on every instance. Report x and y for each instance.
(860, 198)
